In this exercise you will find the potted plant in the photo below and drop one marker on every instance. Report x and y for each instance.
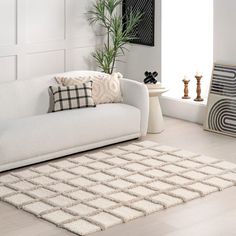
(119, 31)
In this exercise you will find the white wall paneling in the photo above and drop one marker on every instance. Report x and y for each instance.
(77, 19)
(45, 20)
(7, 22)
(8, 68)
(79, 58)
(44, 36)
(45, 63)
(224, 32)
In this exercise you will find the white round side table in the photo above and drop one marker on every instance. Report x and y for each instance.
(155, 123)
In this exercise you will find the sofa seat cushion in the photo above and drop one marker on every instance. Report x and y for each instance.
(35, 136)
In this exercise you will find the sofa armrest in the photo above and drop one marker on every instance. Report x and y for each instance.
(136, 94)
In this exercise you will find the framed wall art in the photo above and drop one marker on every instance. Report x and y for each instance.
(221, 107)
(144, 32)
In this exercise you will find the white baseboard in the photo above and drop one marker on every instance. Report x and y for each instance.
(183, 109)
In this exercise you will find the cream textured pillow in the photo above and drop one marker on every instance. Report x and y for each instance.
(106, 88)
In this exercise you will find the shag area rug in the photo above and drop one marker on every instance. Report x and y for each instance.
(97, 190)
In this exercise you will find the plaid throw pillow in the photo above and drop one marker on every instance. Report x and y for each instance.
(71, 97)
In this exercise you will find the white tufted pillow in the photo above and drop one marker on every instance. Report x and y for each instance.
(106, 88)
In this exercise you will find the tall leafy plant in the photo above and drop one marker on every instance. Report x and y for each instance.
(119, 31)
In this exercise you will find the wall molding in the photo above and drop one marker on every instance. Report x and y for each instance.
(45, 32)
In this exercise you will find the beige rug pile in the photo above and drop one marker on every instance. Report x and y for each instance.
(97, 190)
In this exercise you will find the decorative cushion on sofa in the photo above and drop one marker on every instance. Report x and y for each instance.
(106, 88)
(71, 97)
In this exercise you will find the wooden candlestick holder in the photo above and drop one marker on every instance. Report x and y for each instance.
(198, 98)
(186, 82)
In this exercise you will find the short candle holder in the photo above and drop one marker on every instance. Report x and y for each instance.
(198, 98)
(186, 82)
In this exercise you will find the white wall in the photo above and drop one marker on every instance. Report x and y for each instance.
(187, 47)
(224, 51)
(225, 31)
(44, 36)
(187, 44)
(141, 58)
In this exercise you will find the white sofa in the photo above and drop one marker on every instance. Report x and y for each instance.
(28, 134)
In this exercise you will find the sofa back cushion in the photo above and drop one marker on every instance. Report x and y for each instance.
(24, 98)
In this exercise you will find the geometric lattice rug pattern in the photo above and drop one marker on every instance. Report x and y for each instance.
(97, 190)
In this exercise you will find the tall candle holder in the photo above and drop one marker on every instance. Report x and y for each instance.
(186, 82)
(198, 98)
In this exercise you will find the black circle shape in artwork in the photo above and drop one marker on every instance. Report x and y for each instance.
(222, 117)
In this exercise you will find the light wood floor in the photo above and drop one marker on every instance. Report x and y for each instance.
(214, 215)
